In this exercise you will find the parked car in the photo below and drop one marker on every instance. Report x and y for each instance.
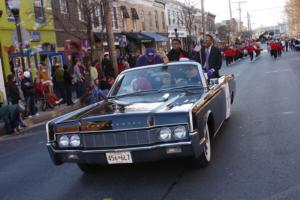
(152, 113)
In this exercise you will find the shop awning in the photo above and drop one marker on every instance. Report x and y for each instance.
(156, 37)
(138, 37)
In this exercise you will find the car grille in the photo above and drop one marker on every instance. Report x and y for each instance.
(120, 139)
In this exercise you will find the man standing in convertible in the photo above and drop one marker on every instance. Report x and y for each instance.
(210, 58)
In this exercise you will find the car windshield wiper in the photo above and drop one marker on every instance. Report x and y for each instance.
(135, 93)
(185, 88)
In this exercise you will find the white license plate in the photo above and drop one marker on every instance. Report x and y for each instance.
(119, 158)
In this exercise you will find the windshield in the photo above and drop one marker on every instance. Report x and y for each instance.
(151, 79)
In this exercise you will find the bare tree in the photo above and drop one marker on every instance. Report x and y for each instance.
(292, 10)
(109, 28)
(188, 15)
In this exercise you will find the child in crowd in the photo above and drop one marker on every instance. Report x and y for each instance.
(44, 93)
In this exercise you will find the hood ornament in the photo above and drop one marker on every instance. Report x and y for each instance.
(151, 121)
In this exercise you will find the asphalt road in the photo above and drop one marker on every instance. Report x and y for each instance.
(255, 156)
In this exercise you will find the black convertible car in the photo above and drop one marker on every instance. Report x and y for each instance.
(151, 113)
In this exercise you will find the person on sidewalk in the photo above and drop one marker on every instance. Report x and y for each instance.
(44, 76)
(149, 58)
(10, 114)
(78, 79)
(177, 53)
(211, 58)
(68, 84)
(107, 68)
(12, 90)
(29, 93)
(60, 82)
(93, 72)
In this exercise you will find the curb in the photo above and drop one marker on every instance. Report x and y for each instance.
(44, 117)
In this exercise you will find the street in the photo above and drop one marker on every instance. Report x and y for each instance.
(255, 156)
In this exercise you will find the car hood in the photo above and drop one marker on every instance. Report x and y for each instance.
(136, 111)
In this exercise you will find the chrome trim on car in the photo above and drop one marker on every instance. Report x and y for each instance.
(124, 149)
(128, 129)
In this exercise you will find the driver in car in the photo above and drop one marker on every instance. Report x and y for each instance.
(192, 75)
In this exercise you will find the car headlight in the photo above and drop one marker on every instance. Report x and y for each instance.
(180, 132)
(64, 141)
(165, 134)
(75, 141)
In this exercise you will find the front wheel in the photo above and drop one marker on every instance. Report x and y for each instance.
(204, 159)
(87, 168)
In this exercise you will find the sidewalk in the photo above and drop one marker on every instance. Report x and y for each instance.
(45, 116)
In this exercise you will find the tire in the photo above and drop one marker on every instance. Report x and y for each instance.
(87, 168)
(204, 159)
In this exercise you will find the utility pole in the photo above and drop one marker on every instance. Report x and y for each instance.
(230, 10)
(240, 13)
(249, 21)
(203, 17)
(230, 21)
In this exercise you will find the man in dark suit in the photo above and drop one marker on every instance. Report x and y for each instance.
(210, 58)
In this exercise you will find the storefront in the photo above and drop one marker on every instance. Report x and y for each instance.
(138, 42)
(181, 34)
(160, 42)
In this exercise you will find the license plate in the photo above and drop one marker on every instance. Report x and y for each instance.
(119, 158)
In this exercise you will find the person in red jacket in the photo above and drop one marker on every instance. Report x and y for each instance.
(274, 49)
(228, 56)
(250, 48)
(257, 50)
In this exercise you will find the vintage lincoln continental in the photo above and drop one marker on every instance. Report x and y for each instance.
(151, 113)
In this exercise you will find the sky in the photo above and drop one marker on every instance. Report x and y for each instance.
(262, 12)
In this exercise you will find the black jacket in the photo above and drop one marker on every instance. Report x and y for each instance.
(175, 55)
(214, 60)
(27, 87)
(12, 91)
(107, 68)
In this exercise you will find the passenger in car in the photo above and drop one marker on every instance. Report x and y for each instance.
(192, 75)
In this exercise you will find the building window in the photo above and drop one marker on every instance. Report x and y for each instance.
(156, 21)
(63, 6)
(150, 21)
(143, 21)
(178, 19)
(39, 11)
(8, 12)
(182, 19)
(115, 18)
(134, 16)
(163, 20)
(96, 17)
(81, 16)
(174, 20)
(169, 17)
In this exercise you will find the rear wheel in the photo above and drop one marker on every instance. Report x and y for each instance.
(204, 159)
(88, 168)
